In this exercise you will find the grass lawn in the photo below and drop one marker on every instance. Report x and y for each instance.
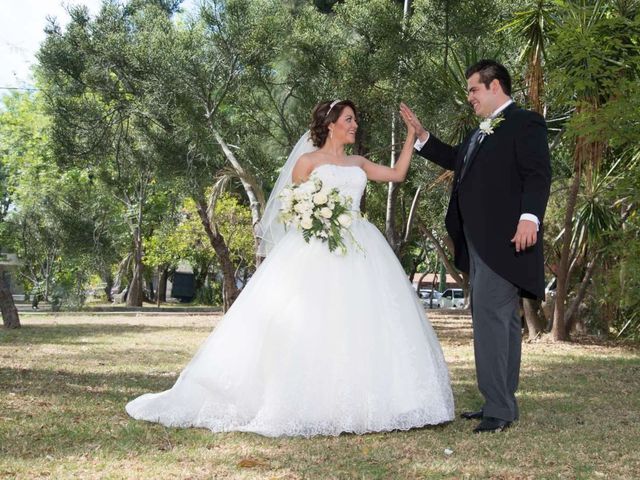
(64, 381)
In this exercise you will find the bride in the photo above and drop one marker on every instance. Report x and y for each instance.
(318, 342)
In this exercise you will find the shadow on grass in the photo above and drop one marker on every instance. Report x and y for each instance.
(70, 334)
(82, 387)
(451, 329)
(458, 329)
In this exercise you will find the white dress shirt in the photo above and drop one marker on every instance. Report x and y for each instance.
(525, 216)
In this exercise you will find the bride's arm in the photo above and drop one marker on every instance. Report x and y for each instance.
(302, 169)
(397, 173)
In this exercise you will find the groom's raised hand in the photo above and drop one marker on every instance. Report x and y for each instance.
(409, 117)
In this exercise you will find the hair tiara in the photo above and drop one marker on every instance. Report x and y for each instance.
(333, 104)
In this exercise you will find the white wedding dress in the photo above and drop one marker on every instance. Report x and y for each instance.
(317, 343)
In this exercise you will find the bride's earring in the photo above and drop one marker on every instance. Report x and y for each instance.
(331, 134)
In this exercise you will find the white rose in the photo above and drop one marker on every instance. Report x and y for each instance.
(326, 212)
(307, 187)
(306, 223)
(344, 220)
(303, 207)
(320, 198)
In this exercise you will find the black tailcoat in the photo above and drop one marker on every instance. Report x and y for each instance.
(509, 174)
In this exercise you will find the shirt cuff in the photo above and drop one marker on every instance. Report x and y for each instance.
(419, 144)
(531, 217)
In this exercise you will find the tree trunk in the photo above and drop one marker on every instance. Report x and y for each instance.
(123, 272)
(535, 324)
(412, 215)
(392, 198)
(229, 290)
(251, 187)
(414, 270)
(547, 308)
(158, 289)
(415, 263)
(394, 239)
(47, 278)
(162, 285)
(433, 286)
(582, 290)
(559, 331)
(108, 280)
(449, 267)
(10, 317)
(151, 296)
(135, 293)
(424, 274)
(535, 81)
(445, 61)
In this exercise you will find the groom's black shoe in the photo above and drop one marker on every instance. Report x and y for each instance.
(472, 415)
(490, 424)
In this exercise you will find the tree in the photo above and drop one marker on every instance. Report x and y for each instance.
(105, 120)
(185, 239)
(59, 222)
(10, 140)
(595, 54)
(20, 130)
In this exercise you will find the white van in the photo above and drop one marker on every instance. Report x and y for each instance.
(452, 298)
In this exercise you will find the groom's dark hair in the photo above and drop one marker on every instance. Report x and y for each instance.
(489, 71)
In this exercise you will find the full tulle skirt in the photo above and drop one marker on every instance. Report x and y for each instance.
(317, 343)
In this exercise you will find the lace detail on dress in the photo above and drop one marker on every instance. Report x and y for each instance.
(350, 180)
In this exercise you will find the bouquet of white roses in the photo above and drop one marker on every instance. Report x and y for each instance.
(317, 211)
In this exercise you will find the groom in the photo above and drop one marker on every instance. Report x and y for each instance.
(500, 191)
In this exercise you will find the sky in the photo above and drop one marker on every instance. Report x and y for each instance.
(22, 25)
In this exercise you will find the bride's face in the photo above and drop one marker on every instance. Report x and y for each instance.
(345, 127)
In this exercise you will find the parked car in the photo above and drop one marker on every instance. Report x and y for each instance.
(452, 298)
(430, 298)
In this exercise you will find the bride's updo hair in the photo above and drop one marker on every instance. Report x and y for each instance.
(323, 114)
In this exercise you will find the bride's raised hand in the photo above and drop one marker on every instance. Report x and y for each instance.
(410, 119)
(407, 119)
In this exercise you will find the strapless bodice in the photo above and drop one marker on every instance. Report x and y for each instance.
(350, 180)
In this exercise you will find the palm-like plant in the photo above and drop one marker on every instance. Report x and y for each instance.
(587, 59)
(532, 27)
(452, 79)
(597, 217)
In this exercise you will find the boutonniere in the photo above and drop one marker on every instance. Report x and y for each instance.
(488, 125)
